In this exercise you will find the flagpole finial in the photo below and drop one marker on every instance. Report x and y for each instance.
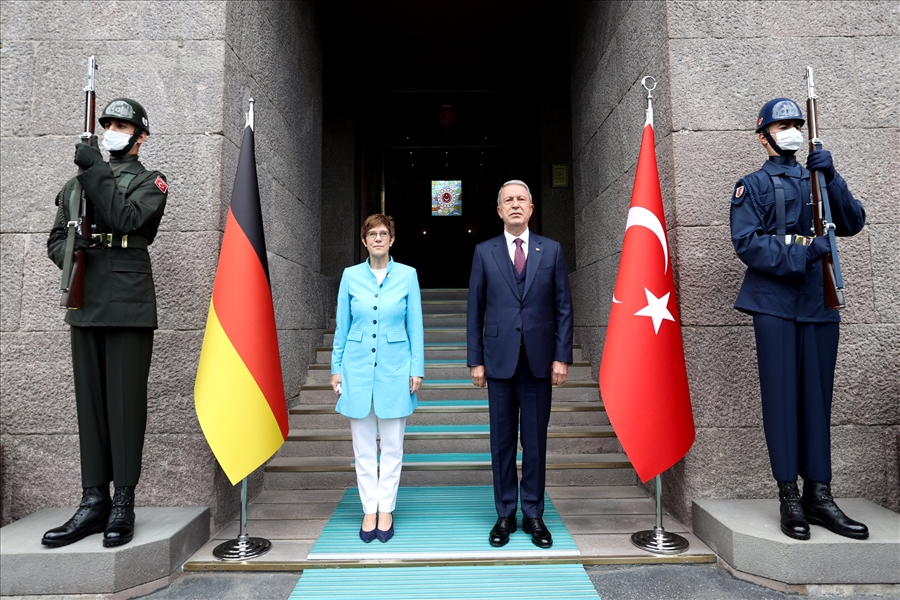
(649, 97)
(249, 114)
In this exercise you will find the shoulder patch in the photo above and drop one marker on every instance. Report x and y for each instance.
(738, 195)
(161, 184)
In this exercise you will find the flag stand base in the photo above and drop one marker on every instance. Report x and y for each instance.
(659, 541)
(242, 548)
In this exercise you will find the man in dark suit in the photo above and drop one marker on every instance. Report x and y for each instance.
(112, 333)
(519, 337)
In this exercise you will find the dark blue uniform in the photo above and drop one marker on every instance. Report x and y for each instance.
(796, 337)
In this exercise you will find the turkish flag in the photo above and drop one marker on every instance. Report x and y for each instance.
(643, 379)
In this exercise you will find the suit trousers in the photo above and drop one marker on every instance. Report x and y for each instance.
(111, 366)
(378, 491)
(796, 374)
(527, 398)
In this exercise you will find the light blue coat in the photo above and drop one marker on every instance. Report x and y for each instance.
(379, 341)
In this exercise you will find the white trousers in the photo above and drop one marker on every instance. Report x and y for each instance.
(378, 493)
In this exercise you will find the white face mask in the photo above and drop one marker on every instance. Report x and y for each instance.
(789, 139)
(116, 140)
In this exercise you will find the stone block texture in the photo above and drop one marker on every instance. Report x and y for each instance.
(193, 65)
(707, 57)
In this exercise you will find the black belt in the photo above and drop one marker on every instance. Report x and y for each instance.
(114, 240)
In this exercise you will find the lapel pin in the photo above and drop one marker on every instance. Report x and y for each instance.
(537, 249)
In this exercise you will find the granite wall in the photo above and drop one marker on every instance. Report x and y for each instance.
(717, 63)
(193, 65)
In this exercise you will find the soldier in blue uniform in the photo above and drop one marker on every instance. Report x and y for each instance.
(796, 337)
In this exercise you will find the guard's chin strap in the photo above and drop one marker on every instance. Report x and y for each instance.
(134, 138)
(775, 146)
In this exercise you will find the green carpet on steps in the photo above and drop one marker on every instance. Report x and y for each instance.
(524, 582)
(434, 523)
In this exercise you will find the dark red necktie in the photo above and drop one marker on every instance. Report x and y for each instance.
(519, 261)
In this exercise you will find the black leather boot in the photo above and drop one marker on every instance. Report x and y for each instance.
(91, 517)
(120, 529)
(793, 520)
(820, 509)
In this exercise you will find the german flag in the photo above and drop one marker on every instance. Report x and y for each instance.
(239, 391)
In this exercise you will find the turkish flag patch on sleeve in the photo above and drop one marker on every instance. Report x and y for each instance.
(161, 184)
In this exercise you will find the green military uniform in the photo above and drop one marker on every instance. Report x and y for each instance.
(112, 334)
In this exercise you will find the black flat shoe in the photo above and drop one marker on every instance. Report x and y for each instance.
(501, 531)
(540, 535)
(384, 536)
(820, 509)
(367, 536)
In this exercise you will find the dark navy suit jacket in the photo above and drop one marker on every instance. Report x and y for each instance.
(498, 319)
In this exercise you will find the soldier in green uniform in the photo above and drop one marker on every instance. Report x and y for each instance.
(112, 333)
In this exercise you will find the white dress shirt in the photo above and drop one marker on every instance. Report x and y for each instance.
(511, 244)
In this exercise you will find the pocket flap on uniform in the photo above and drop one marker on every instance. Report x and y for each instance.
(396, 335)
(130, 265)
(355, 335)
(491, 330)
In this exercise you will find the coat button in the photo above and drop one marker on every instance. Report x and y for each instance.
(376, 295)
(373, 349)
(518, 329)
(373, 335)
(376, 364)
(374, 308)
(374, 322)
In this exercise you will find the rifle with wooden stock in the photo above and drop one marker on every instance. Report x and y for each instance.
(72, 283)
(822, 221)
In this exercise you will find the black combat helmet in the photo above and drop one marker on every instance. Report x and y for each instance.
(126, 109)
(779, 109)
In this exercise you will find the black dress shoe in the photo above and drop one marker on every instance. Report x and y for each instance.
(502, 530)
(540, 535)
(120, 528)
(793, 519)
(91, 517)
(820, 509)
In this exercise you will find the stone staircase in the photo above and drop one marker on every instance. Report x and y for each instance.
(447, 439)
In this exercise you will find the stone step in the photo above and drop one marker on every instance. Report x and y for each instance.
(458, 439)
(164, 537)
(442, 294)
(337, 472)
(435, 351)
(745, 534)
(443, 306)
(443, 370)
(451, 412)
(462, 389)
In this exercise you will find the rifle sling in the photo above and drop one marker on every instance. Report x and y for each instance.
(74, 205)
(826, 204)
(780, 223)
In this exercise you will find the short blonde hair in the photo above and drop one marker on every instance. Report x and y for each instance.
(374, 221)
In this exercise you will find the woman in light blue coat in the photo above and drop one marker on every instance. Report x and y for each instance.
(377, 365)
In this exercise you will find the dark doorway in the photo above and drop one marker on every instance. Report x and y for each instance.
(443, 91)
(448, 152)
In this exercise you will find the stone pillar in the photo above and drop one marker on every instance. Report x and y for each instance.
(192, 65)
(718, 62)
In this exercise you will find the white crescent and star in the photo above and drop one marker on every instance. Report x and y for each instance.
(657, 308)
